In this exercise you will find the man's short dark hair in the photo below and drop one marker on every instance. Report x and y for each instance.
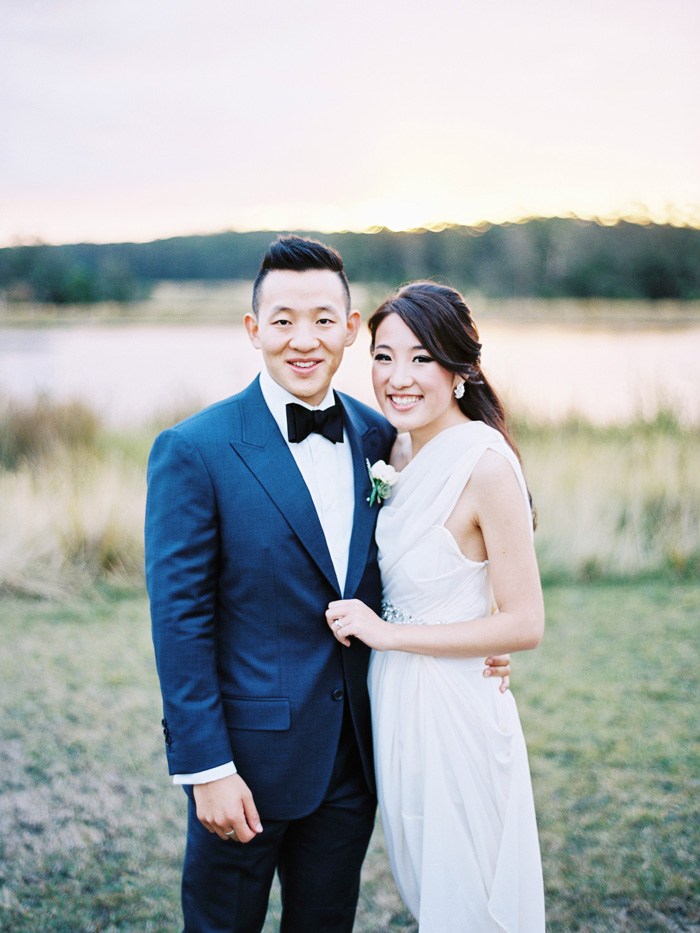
(300, 254)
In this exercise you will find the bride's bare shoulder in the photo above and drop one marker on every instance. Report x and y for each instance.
(401, 452)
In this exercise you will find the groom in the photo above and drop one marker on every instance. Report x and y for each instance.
(257, 518)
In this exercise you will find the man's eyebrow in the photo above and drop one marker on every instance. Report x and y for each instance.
(283, 307)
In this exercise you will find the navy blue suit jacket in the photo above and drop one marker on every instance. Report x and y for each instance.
(239, 577)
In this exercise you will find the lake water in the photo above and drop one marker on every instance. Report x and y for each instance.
(132, 372)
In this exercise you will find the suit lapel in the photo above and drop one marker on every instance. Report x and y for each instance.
(361, 436)
(265, 452)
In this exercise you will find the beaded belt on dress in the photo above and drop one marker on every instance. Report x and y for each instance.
(399, 616)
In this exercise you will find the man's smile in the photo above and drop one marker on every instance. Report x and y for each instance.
(304, 365)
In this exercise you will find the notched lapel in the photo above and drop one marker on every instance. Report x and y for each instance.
(264, 451)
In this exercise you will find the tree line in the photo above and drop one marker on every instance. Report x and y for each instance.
(542, 258)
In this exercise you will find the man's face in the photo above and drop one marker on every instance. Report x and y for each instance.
(302, 328)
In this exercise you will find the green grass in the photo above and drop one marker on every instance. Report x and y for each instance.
(609, 708)
(91, 831)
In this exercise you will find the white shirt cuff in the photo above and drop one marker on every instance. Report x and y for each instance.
(203, 777)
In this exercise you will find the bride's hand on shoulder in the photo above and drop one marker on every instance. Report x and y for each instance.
(350, 617)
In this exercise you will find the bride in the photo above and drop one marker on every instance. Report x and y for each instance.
(460, 582)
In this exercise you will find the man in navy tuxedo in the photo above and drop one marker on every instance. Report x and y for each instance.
(257, 518)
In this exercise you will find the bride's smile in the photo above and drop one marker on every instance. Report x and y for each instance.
(415, 393)
(403, 402)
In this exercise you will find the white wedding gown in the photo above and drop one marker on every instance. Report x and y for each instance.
(454, 782)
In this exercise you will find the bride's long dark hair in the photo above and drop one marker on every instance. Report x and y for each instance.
(439, 317)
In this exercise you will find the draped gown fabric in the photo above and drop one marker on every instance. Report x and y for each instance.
(452, 769)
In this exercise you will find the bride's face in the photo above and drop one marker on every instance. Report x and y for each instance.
(414, 392)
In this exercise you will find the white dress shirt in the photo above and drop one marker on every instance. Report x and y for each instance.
(327, 471)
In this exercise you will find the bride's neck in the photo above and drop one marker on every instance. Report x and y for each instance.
(421, 436)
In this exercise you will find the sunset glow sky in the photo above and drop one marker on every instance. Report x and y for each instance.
(149, 118)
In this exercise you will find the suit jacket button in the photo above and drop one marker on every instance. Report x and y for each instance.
(338, 694)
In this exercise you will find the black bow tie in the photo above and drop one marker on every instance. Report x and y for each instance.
(303, 421)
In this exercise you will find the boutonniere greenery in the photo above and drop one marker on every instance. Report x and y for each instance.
(382, 476)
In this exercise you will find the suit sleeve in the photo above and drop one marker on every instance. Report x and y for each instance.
(182, 558)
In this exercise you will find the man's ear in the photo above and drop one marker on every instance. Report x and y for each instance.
(353, 325)
(251, 325)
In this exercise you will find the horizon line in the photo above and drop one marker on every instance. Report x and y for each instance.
(641, 220)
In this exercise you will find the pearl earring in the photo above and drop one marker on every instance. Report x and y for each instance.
(459, 389)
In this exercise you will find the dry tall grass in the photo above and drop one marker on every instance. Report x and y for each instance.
(615, 502)
(611, 502)
(71, 502)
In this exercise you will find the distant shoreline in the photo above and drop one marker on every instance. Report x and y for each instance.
(204, 302)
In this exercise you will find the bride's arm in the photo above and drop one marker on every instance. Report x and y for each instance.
(518, 625)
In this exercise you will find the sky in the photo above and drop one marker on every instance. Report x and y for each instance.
(140, 119)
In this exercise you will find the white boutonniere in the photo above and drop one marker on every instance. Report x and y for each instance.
(382, 476)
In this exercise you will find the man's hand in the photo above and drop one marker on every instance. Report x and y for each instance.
(225, 805)
(499, 667)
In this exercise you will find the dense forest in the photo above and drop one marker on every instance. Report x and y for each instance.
(536, 258)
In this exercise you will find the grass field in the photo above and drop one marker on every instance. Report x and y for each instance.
(91, 832)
